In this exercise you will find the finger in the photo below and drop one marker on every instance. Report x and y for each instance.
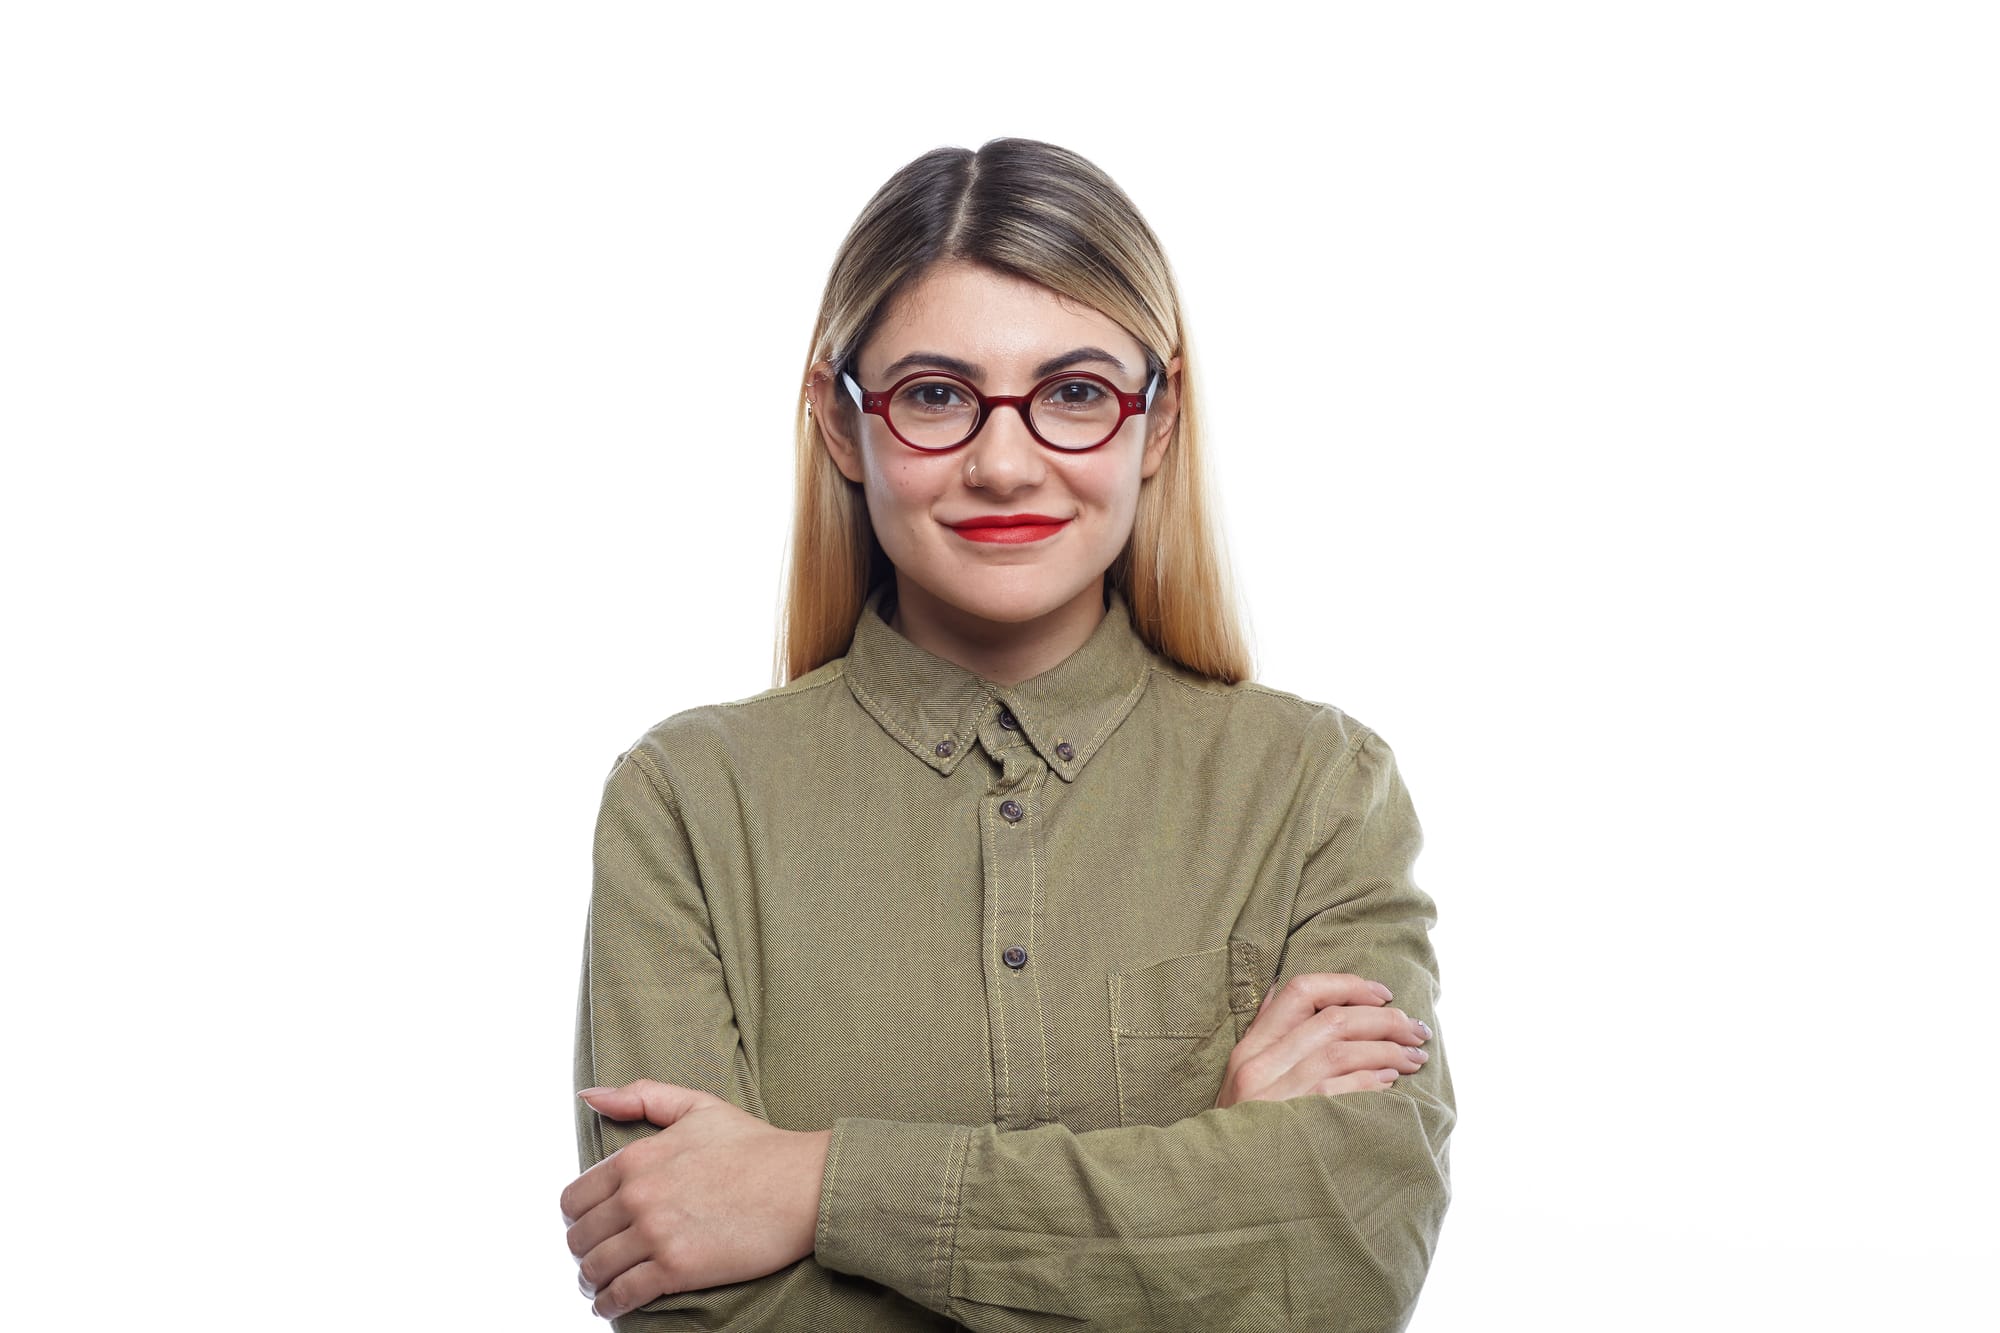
(1368, 1080)
(1300, 998)
(1361, 1080)
(1348, 1057)
(1331, 1025)
(630, 1290)
(605, 1264)
(598, 1225)
(1348, 1022)
(645, 1099)
(590, 1189)
(1338, 1060)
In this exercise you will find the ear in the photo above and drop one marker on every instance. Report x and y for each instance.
(833, 411)
(1161, 419)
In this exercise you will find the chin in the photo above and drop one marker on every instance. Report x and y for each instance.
(1005, 603)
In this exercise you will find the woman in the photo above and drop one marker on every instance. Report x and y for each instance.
(1016, 963)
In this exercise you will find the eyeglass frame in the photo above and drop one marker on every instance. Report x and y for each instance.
(875, 402)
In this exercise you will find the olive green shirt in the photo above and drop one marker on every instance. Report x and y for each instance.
(1001, 939)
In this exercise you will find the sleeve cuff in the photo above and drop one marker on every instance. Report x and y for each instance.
(888, 1204)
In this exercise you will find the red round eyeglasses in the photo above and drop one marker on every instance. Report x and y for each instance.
(1070, 411)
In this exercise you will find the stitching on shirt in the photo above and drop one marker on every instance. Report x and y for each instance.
(1117, 714)
(993, 947)
(1034, 913)
(1338, 768)
(663, 787)
(961, 1152)
(1251, 959)
(796, 687)
(882, 715)
(1245, 687)
(944, 1202)
(1117, 1064)
(655, 779)
(1136, 1032)
(944, 1207)
(832, 1172)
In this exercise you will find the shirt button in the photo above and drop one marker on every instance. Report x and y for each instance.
(1007, 720)
(1016, 957)
(944, 748)
(1065, 751)
(1011, 811)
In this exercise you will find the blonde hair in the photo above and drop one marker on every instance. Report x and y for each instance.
(1048, 215)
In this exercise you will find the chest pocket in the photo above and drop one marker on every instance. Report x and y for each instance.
(1173, 1025)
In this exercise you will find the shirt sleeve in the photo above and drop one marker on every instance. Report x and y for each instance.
(1321, 1212)
(654, 1004)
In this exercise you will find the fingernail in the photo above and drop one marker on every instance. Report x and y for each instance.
(1418, 1055)
(1383, 991)
(1386, 1075)
(1424, 1028)
(592, 1092)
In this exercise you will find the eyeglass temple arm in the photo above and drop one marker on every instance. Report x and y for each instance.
(853, 388)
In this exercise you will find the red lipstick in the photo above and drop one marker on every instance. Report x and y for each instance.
(1010, 528)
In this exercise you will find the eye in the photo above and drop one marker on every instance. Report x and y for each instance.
(932, 396)
(1075, 395)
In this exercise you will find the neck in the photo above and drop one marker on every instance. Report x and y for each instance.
(1005, 653)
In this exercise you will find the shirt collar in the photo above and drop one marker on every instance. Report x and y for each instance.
(934, 708)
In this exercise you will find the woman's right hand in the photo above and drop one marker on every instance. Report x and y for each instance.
(1323, 1032)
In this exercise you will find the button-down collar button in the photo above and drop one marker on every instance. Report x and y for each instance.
(1007, 720)
(1065, 751)
(1011, 811)
(944, 748)
(1016, 957)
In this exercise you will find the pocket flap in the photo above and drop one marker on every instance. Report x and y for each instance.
(1186, 996)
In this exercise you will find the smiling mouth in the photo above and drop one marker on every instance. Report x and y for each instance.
(1009, 529)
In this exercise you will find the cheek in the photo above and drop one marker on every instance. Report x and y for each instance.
(901, 489)
(1108, 484)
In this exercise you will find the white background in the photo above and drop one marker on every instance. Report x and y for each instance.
(396, 405)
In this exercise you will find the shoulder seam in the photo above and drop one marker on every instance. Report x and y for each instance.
(662, 787)
(1246, 687)
(784, 691)
(1337, 769)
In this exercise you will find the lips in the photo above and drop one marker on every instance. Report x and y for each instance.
(1009, 528)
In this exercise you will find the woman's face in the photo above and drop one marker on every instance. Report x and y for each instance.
(1005, 334)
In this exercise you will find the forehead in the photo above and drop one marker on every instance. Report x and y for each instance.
(996, 320)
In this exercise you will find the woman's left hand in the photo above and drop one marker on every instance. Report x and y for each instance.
(716, 1196)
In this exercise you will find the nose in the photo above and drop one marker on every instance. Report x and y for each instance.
(1003, 457)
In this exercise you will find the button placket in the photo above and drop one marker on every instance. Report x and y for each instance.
(1021, 1073)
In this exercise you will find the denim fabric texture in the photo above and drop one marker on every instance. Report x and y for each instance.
(1001, 940)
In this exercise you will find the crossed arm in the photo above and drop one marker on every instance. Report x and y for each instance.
(725, 1197)
(1315, 1187)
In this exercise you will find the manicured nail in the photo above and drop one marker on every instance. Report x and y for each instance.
(592, 1092)
(1386, 1075)
(1417, 1054)
(1424, 1028)
(1383, 991)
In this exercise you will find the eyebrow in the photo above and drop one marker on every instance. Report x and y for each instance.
(968, 370)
